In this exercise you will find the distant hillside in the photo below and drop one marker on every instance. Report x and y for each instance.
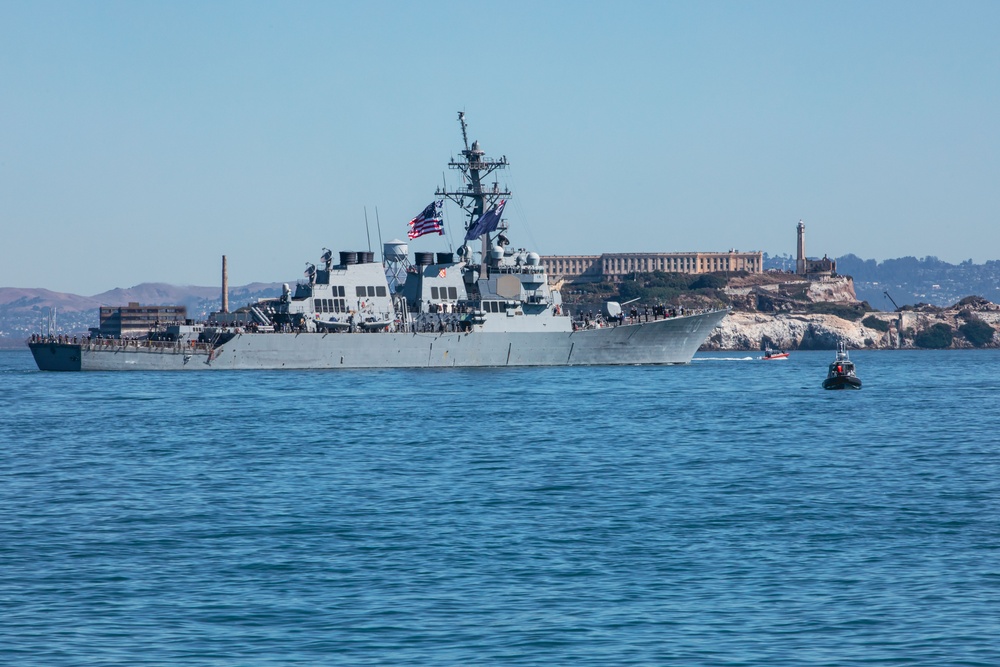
(910, 280)
(156, 293)
(24, 311)
(17, 298)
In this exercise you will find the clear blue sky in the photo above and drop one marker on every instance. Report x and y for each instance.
(143, 140)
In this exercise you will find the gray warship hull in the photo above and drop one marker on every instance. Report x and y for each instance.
(442, 310)
(666, 341)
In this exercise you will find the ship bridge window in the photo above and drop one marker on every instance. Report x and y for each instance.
(361, 291)
(371, 291)
(379, 290)
(337, 290)
(444, 293)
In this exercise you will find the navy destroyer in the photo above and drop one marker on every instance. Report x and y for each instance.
(438, 310)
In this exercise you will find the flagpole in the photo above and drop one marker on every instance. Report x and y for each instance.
(444, 187)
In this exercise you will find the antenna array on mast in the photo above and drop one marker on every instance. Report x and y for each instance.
(474, 198)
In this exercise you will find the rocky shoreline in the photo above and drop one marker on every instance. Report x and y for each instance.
(793, 313)
(899, 330)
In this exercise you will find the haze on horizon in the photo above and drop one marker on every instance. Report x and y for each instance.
(142, 141)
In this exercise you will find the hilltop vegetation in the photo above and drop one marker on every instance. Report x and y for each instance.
(656, 288)
(768, 292)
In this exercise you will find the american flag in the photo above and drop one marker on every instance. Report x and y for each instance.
(428, 222)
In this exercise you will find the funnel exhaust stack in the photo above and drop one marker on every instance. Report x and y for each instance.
(225, 286)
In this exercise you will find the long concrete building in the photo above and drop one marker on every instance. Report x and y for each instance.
(615, 266)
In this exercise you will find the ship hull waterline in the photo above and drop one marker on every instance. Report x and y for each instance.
(668, 341)
(842, 382)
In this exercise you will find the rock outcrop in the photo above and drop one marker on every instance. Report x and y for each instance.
(877, 330)
(783, 292)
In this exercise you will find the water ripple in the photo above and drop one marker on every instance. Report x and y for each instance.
(722, 513)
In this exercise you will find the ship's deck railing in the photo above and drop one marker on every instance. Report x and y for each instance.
(178, 347)
(125, 344)
(592, 320)
(522, 268)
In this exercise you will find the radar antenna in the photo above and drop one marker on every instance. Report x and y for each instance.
(465, 135)
(473, 197)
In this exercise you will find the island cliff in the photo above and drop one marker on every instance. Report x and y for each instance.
(802, 331)
(818, 314)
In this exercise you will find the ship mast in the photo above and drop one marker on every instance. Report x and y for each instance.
(473, 197)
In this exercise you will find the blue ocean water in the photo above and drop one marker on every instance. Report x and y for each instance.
(728, 512)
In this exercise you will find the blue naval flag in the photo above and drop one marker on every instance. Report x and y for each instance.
(487, 221)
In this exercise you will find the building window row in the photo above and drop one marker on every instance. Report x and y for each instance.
(612, 265)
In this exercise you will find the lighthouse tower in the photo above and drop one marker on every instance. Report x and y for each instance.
(800, 257)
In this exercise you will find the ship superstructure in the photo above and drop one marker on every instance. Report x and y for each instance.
(452, 309)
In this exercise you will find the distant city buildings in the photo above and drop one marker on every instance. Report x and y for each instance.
(615, 266)
(136, 320)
